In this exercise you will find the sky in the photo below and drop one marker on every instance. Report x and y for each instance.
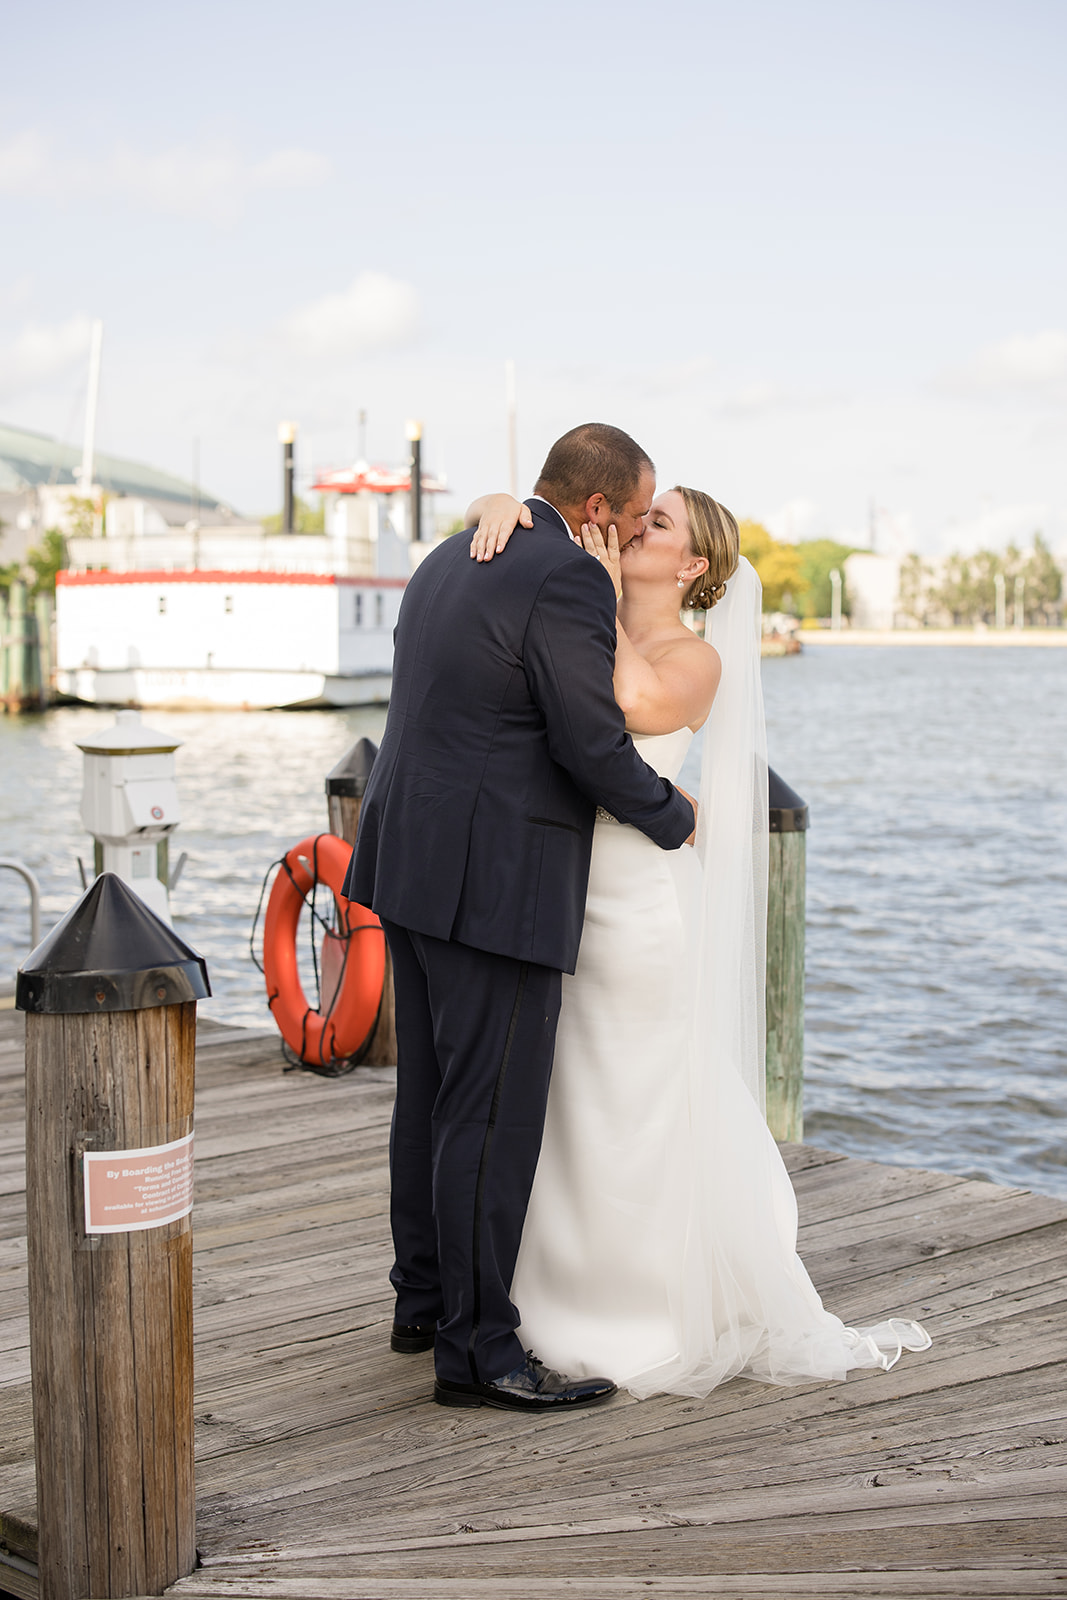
(811, 255)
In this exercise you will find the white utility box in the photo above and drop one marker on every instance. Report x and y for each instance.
(130, 805)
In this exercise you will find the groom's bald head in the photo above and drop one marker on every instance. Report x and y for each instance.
(593, 460)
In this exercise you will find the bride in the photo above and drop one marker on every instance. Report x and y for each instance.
(660, 1240)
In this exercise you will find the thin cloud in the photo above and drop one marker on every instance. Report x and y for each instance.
(375, 312)
(792, 521)
(754, 399)
(1026, 362)
(993, 528)
(290, 169)
(24, 162)
(16, 295)
(759, 398)
(208, 181)
(678, 377)
(40, 353)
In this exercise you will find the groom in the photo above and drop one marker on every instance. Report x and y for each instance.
(474, 841)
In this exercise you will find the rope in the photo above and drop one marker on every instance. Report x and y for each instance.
(255, 921)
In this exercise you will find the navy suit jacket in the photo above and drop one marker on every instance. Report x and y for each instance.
(503, 736)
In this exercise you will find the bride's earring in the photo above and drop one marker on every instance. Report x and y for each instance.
(681, 583)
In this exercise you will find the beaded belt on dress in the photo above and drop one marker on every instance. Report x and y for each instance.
(606, 816)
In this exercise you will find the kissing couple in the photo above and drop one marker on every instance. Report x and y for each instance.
(585, 1192)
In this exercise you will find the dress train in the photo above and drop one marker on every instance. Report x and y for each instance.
(660, 1240)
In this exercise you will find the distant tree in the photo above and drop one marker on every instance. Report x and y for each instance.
(967, 586)
(1043, 595)
(778, 565)
(10, 572)
(985, 567)
(955, 590)
(917, 585)
(46, 559)
(306, 519)
(818, 558)
(38, 569)
(82, 516)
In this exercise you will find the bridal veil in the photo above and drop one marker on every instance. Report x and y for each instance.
(744, 1303)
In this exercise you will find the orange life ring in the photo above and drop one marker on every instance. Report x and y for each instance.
(335, 1034)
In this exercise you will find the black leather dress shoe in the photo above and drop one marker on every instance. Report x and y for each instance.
(409, 1338)
(530, 1387)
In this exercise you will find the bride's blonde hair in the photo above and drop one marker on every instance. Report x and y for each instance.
(713, 533)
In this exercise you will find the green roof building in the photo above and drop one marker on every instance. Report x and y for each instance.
(32, 460)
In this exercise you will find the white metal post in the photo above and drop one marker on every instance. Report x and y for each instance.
(835, 600)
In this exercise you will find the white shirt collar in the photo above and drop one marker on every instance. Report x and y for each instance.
(551, 507)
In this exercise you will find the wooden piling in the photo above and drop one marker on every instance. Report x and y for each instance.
(15, 646)
(44, 615)
(5, 634)
(110, 1036)
(785, 961)
(25, 649)
(345, 787)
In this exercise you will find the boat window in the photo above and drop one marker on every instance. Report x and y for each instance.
(162, 604)
(359, 611)
(379, 610)
(227, 604)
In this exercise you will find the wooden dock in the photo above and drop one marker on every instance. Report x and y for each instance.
(323, 1468)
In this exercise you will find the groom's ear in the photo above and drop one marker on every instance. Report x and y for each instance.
(596, 504)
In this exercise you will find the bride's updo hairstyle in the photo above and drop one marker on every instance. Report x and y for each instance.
(713, 533)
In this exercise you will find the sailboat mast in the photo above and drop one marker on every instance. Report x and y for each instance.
(85, 472)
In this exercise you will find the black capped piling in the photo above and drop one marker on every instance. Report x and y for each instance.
(345, 788)
(110, 997)
(785, 960)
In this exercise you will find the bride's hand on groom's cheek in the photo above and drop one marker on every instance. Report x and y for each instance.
(604, 551)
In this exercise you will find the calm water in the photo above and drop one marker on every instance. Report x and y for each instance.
(937, 881)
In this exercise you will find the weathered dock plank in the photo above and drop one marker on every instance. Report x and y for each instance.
(927, 1585)
(324, 1470)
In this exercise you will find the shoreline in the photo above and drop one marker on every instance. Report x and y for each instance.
(1001, 638)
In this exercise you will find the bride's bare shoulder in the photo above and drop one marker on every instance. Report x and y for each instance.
(689, 653)
(707, 663)
(688, 669)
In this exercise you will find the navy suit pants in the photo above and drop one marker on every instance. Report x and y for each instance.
(475, 1038)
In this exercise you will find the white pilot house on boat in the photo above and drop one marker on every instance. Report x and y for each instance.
(228, 616)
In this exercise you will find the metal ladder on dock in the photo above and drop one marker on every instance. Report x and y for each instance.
(7, 991)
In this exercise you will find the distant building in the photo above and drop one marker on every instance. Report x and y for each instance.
(38, 478)
(873, 583)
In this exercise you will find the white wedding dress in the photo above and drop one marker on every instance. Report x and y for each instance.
(660, 1241)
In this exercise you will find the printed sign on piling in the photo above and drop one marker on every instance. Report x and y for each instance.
(127, 1190)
